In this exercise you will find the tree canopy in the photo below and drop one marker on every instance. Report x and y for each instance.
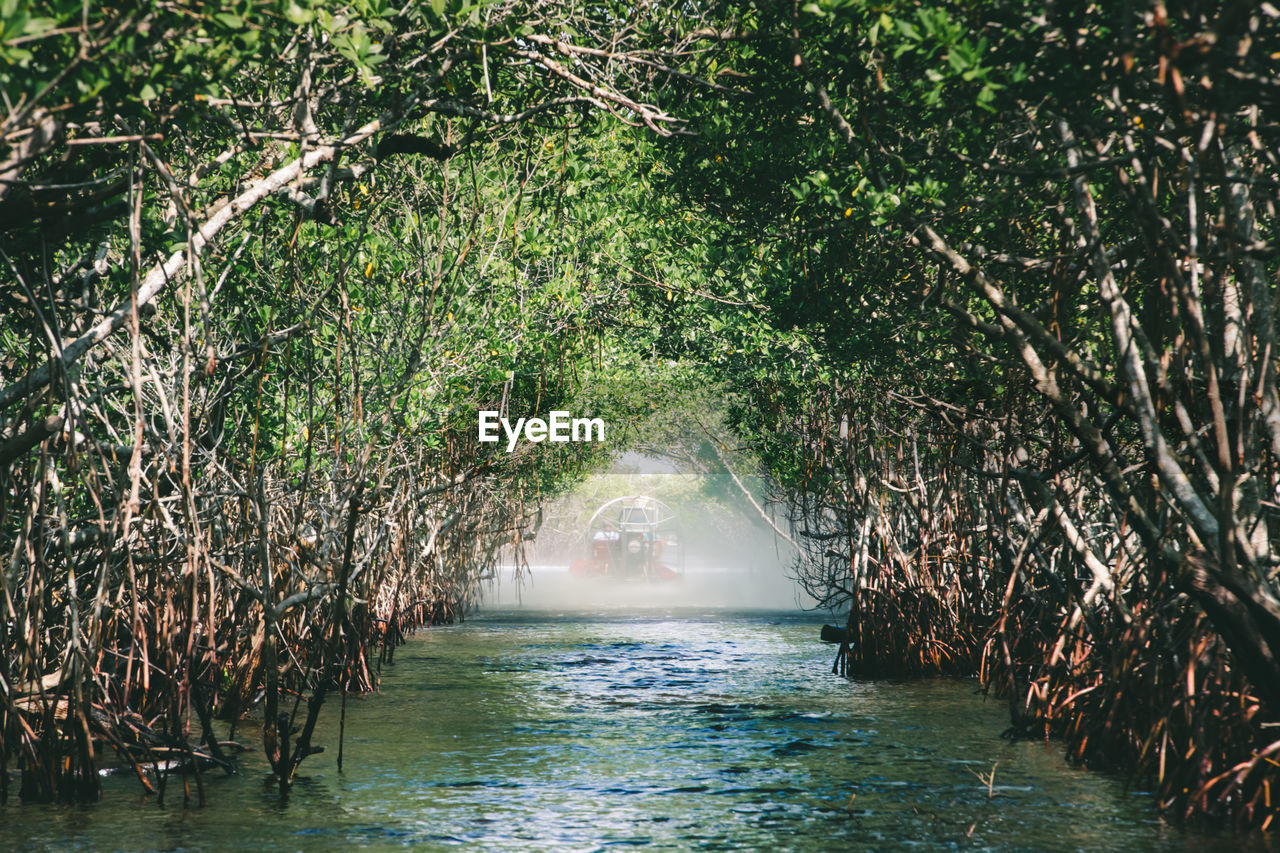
(985, 289)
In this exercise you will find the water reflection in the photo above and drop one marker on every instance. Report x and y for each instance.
(674, 730)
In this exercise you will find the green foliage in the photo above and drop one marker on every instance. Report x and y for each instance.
(867, 219)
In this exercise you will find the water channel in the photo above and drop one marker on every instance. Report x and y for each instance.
(665, 728)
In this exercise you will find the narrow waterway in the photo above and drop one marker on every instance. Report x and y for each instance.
(672, 728)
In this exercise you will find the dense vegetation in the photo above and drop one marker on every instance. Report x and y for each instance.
(1026, 412)
(987, 287)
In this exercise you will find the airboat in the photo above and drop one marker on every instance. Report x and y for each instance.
(633, 538)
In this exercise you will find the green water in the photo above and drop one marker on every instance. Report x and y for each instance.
(676, 729)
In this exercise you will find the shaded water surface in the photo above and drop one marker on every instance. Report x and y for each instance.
(679, 729)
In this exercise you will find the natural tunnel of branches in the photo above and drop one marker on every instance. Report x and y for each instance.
(985, 293)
